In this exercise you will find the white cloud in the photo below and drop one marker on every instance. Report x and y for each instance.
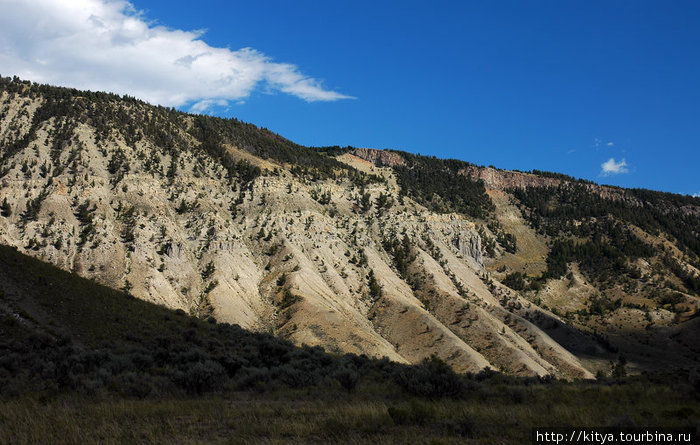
(106, 45)
(696, 195)
(612, 167)
(206, 104)
(610, 144)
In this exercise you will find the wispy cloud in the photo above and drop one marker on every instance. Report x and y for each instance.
(598, 144)
(206, 104)
(107, 45)
(612, 167)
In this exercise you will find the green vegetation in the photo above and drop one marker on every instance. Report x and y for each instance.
(93, 340)
(383, 202)
(33, 207)
(515, 281)
(333, 150)
(439, 185)
(5, 208)
(575, 208)
(128, 231)
(85, 217)
(401, 252)
(323, 198)
(209, 269)
(209, 132)
(690, 280)
(288, 299)
(375, 290)
(435, 183)
(263, 143)
(606, 253)
(596, 232)
(560, 176)
(505, 239)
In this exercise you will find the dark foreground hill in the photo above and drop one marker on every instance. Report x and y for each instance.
(82, 363)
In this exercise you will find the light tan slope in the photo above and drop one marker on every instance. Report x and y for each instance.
(516, 312)
(401, 319)
(243, 155)
(476, 326)
(530, 257)
(236, 299)
(323, 316)
(511, 313)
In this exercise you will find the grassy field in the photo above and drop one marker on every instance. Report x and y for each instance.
(491, 414)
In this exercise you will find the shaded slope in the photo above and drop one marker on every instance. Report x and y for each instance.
(60, 332)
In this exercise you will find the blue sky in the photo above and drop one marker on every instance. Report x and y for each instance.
(605, 90)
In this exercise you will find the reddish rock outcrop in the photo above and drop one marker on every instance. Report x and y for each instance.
(383, 157)
(495, 179)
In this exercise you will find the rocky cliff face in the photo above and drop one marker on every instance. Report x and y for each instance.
(382, 157)
(470, 247)
(496, 179)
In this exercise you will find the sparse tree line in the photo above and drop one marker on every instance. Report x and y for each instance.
(572, 211)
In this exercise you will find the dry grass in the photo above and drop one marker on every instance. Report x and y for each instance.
(493, 415)
(532, 249)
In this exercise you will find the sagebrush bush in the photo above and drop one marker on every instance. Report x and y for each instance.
(433, 378)
(200, 377)
(347, 378)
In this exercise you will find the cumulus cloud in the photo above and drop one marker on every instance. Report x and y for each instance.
(612, 167)
(106, 45)
(696, 195)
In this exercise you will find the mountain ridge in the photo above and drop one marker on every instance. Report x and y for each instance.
(320, 246)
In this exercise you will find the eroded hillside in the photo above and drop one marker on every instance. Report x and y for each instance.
(618, 264)
(225, 220)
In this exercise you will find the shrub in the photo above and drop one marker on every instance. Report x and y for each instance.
(249, 377)
(433, 378)
(347, 378)
(288, 299)
(514, 281)
(131, 384)
(295, 376)
(200, 377)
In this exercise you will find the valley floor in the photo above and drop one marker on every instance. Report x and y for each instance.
(492, 414)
